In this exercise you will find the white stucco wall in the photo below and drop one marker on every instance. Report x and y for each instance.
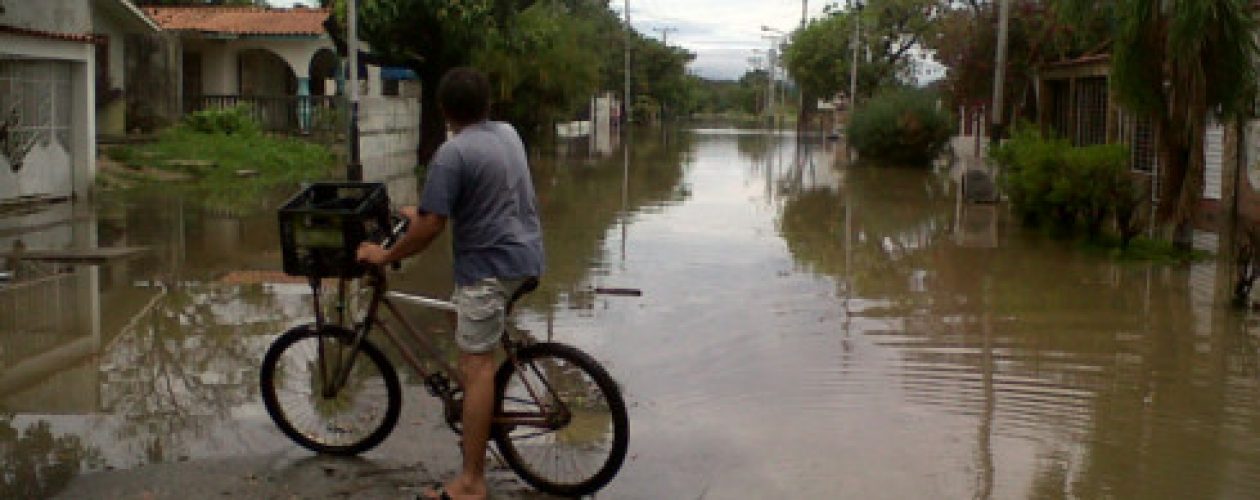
(220, 58)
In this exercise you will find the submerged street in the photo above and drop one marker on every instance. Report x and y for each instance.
(807, 329)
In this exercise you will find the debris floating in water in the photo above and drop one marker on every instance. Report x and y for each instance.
(625, 292)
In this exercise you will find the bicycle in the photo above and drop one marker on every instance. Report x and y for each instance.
(559, 420)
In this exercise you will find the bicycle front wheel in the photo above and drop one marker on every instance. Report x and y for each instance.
(583, 443)
(297, 372)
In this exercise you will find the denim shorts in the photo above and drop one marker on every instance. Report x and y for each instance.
(481, 310)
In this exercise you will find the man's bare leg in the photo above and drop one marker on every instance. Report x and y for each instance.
(478, 371)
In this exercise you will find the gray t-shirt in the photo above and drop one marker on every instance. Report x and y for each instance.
(479, 179)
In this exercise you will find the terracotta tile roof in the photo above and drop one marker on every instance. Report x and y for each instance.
(240, 20)
(49, 35)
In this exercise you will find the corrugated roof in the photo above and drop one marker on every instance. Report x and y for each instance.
(240, 20)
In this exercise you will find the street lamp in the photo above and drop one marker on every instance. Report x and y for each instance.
(354, 171)
(774, 38)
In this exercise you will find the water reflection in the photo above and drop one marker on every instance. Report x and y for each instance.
(807, 329)
(1125, 380)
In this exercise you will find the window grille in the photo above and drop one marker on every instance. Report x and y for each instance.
(35, 100)
(1091, 111)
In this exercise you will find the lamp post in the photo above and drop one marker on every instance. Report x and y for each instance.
(857, 35)
(664, 41)
(629, 33)
(354, 170)
(775, 36)
(999, 72)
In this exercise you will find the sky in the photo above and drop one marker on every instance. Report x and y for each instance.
(722, 33)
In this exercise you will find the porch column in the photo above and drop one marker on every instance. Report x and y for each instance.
(304, 103)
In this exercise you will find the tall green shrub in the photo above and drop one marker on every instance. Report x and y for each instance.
(904, 126)
(1072, 189)
(1029, 164)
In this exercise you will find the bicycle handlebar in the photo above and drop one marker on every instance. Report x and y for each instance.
(398, 226)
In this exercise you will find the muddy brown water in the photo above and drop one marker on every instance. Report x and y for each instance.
(806, 329)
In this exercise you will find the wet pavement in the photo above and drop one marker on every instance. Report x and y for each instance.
(807, 329)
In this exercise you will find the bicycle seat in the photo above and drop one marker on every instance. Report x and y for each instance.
(530, 284)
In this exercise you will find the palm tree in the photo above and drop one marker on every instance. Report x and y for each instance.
(1203, 52)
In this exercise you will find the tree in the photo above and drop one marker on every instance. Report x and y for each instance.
(547, 71)
(820, 55)
(964, 40)
(1204, 53)
(431, 37)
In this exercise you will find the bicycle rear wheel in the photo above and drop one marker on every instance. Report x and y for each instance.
(583, 447)
(356, 418)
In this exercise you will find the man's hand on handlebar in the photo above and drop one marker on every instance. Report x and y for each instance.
(372, 253)
(406, 239)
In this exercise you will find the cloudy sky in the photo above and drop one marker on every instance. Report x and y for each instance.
(722, 33)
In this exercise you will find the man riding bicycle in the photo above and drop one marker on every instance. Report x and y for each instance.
(480, 180)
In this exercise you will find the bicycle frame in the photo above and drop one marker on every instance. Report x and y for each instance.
(549, 417)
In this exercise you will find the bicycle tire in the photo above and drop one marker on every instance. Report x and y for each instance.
(290, 387)
(576, 387)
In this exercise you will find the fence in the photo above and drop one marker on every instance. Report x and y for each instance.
(284, 114)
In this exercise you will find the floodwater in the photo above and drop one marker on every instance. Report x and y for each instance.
(806, 329)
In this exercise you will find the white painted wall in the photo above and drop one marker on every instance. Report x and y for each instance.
(55, 167)
(389, 130)
(61, 16)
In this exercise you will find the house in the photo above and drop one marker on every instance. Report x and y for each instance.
(280, 61)
(1075, 101)
(50, 55)
(114, 22)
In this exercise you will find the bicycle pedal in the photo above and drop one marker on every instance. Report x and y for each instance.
(437, 385)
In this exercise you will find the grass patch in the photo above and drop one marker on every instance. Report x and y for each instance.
(216, 160)
(1143, 249)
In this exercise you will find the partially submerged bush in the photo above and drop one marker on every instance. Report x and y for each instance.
(904, 127)
(1071, 189)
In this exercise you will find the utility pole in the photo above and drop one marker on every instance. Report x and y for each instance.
(857, 35)
(770, 82)
(665, 34)
(775, 36)
(999, 73)
(354, 171)
(629, 35)
(664, 41)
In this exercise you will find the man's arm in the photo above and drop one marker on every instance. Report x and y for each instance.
(424, 227)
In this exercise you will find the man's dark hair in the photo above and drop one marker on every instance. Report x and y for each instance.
(464, 94)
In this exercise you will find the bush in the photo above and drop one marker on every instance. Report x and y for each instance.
(1072, 189)
(236, 120)
(904, 127)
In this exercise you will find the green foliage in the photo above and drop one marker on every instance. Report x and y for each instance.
(1204, 50)
(546, 71)
(1070, 189)
(964, 39)
(276, 161)
(820, 55)
(236, 120)
(904, 127)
